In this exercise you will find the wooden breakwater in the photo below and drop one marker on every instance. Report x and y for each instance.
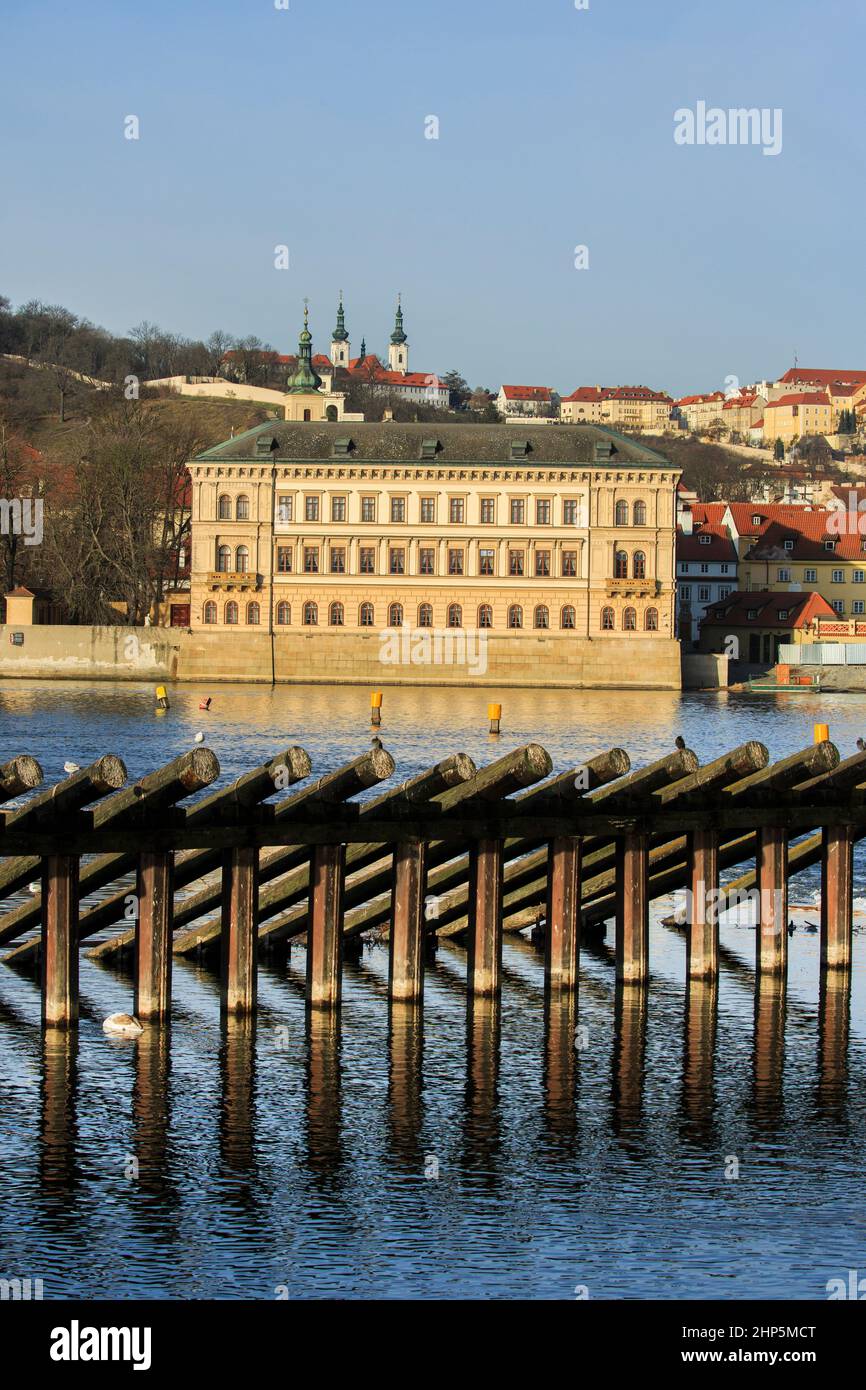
(278, 856)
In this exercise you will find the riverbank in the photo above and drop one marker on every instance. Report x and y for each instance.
(525, 660)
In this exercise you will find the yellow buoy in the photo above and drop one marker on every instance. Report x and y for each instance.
(161, 697)
(376, 707)
(494, 714)
(821, 732)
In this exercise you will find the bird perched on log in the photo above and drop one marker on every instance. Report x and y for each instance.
(861, 745)
(376, 742)
(680, 741)
(71, 767)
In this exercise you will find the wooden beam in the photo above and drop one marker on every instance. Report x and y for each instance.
(239, 955)
(837, 896)
(325, 934)
(773, 888)
(484, 945)
(562, 938)
(60, 942)
(703, 932)
(632, 909)
(153, 929)
(406, 937)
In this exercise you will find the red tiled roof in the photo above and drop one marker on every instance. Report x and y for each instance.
(527, 393)
(618, 393)
(820, 376)
(693, 547)
(809, 534)
(799, 398)
(697, 400)
(742, 513)
(767, 606)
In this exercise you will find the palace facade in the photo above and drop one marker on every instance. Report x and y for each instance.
(350, 529)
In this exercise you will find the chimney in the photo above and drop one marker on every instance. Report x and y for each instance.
(686, 519)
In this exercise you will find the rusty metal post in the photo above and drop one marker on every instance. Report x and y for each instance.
(837, 896)
(562, 938)
(632, 908)
(60, 941)
(240, 895)
(484, 944)
(325, 931)
(406, 939)
(153, 928)
(773, 885)
(702, 945)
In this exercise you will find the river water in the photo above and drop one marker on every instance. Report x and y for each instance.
(670, 1143)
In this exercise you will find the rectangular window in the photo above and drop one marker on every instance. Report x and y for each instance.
(485, 562)
(396, 561)
(542, 511)
(569, 512)
(859, 576)
(311, 508)
(838, 605)
(542, 564)
(338, 559)
(515, 562)
(368, 509)
(398, 508)
(858, 607)
(569, 564)
(488, 510)
(367, 560)
(311, 559)
(704, 593)
(455, 561)
(428, 509)
(338, 509)
(284, 508)
(810, 576)
(456, 510)
(518, 511)
(426, 561)
(284, 559)
(723, 569)
(783, 576)
(686, 591)
(838, 576)
(724, 591)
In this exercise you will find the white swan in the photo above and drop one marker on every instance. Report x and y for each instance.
(122, 1026)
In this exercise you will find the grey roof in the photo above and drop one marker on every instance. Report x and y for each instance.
(391, 442)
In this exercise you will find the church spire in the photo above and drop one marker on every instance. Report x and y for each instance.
(305, 378)
(339, 334)
(398, 336)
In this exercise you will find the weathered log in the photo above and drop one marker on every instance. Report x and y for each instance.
(780, 776)
(730, 767)
(19, 775)
(88, 784)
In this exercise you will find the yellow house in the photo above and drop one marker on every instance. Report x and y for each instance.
(822, 551)
(636, 407)
(797, 414)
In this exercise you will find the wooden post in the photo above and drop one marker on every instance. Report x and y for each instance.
(485, 917)
(702, 947)
(325, 930)
(562, 938)
(632, 908)
(60, 941)
(240, 884)
(153, 928)
(773, 885)
(406, 939)
(837, 896)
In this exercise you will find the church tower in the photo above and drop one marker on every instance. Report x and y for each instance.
(398, 350)
(340, 339)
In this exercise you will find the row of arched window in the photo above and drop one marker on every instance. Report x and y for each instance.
(638, 565)
(638, 513)
(629, 620)
(242, 559)
(396, 615)
(242, 510)
(242, 507)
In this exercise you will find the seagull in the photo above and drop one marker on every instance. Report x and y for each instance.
(680, 741)
(376, 742)
(861, 745)
(199, 738)
(71, 767)
(34, 888)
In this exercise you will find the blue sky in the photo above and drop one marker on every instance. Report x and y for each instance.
(306, 127)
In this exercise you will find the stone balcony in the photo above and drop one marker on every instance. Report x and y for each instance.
(234, 579)
(645, 588)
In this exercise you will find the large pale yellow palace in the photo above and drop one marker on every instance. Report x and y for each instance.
(312, 540)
